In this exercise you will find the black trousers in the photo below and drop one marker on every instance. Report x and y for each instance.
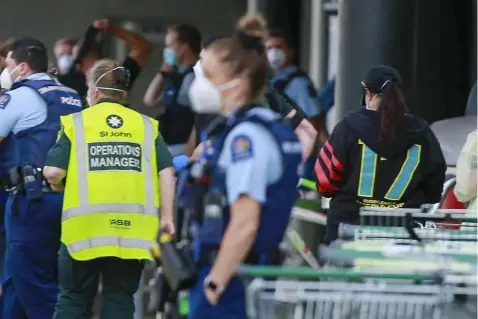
(79, 286)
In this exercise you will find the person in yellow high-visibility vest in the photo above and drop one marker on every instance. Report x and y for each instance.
(115, 164)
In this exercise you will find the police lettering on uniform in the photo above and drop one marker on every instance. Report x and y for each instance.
(116, 162)
(245, 181)
(29, 123)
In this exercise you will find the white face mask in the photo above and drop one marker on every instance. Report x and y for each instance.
(205, 98)
(64, 63)
(6, 78)
(368, 105)
(276, 58)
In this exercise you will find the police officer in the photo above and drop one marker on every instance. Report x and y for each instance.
(29, 122)
(171, 85)
(252, 167)
(117, 164)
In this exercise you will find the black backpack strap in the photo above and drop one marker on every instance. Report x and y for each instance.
(272, 101)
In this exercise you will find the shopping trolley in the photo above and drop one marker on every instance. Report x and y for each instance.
(342, 293)
(413, 224)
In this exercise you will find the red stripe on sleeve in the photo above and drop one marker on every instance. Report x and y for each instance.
(338, 165)
(328, 163)
(323, 182)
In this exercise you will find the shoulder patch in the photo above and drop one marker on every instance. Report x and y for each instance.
(241, 148)
(4, 99)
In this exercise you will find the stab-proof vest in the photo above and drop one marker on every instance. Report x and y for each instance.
(32, 145)
(177, 120)
(111, 203)
(280, 196)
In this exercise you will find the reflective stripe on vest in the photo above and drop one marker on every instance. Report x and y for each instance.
(109, 241)
(46, 89)
(84, 207)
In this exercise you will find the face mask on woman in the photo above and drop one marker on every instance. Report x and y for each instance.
(205, 98)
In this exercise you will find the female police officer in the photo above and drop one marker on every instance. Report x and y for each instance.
(254, 162)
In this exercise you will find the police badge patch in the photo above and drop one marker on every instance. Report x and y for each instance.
(4, 99)
(241, 148)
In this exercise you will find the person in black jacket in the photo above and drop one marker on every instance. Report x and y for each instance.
(379, 156)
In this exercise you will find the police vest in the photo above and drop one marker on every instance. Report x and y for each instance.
(282, 84)
(280, 197)
(177, 120)
(111, 202)
(32, 145)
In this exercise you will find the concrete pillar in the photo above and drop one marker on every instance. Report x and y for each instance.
(318, 43)
(426, 40)
(371, 32)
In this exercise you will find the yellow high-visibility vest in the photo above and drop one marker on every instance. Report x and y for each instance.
(111, 203)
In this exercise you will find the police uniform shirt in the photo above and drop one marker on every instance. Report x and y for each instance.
(299, 91)
(59, 155)
(22, 108)
(183, 96)
(251, 160)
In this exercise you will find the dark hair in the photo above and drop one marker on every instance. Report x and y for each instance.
(32, 52)
(386, 82)
(283, 34)
(392, 109)
(189, 34)
(244, 54)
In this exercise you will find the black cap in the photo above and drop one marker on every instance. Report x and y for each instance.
(377, 77)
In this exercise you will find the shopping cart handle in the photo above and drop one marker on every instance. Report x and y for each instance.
(307, 273)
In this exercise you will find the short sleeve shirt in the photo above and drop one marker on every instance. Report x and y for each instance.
(251, 160)
(183, 95)
(22, 108)
(299, 90)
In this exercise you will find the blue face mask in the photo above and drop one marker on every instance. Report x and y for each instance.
(169, 56)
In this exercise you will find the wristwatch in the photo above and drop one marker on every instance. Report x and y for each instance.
(210, 284)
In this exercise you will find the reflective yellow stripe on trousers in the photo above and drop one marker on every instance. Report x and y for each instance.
(86, 208)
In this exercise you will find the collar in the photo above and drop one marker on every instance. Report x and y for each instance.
(186, 67)
(38, 76)
(107, 100)
(286, 71)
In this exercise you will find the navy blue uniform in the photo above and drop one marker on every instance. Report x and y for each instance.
(177, 120)
(256, 155)
(30, 122)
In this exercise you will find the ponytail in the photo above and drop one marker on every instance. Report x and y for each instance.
(392, 110)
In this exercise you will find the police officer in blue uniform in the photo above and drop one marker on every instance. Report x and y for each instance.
(296, 84)
(171, 85)
(245, 181)
(29, 124)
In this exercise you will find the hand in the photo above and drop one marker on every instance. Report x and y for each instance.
(60, 188)
(211, 296)
(102, 24)
(167, 224)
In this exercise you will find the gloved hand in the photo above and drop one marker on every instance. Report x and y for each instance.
(180, 162)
